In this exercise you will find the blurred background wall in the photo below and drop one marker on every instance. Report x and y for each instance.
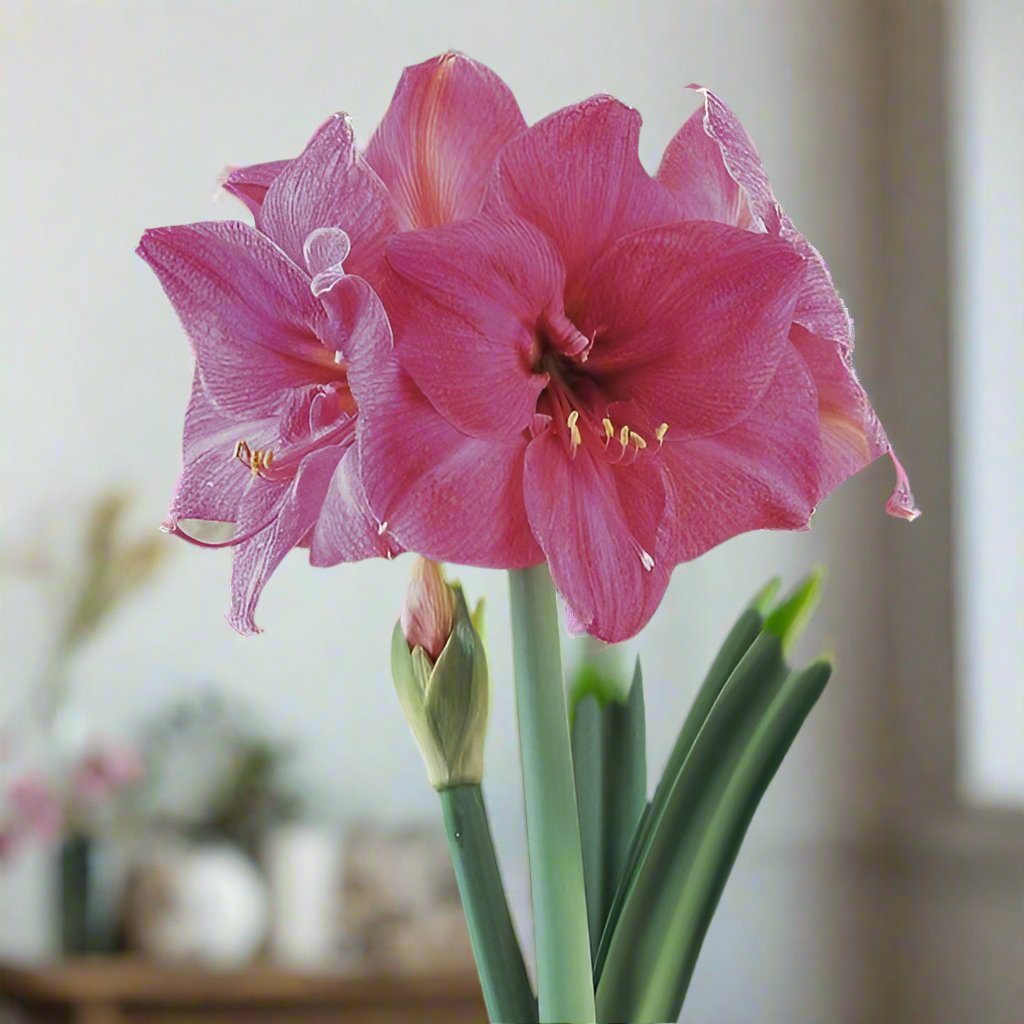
(871, 888)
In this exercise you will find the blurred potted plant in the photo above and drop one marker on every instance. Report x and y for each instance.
(61, 788)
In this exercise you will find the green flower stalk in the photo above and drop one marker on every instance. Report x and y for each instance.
(440, 672)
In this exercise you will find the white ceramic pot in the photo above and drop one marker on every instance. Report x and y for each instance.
(204, 903)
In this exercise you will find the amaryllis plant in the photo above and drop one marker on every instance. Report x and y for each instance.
(511, 346)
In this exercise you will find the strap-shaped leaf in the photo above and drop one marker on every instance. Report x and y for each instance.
(610, 763)
(720, 843)
(743, 633)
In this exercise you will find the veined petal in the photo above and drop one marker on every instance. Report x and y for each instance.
(298, 507)
(690, 165)
(760, 474)
(346, 531)
(247, 310)
(250, 184)
(851, 434)
(330, 186)
(212, 480)
(691, 321)
(694, 171)
(448, 496)
(601, 528)
(436, 145)
(464, 304)
(577, 176)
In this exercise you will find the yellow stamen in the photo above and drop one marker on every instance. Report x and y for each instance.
(637, 439)
(609, 428)
(575, 439)
(258, 460)
(624, 436)
(661, 432)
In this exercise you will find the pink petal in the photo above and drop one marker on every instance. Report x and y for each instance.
(601, 528)
(691, 323)
(250, 184)
(248, 311)
(851, 434)
(690, 164)
(298, 506)
(759, 474)
(330, 186)
(464, 306)
(693, 170)
(577, 176)
(438, 140)
(212, 480)
(346, 531)
(448, 496)
(325, 251)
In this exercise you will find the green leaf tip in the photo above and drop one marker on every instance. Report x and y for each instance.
(788, 619)
(763, 599)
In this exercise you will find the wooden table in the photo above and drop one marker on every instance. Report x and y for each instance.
(124, 990)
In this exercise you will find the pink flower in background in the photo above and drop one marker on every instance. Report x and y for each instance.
(37, 807)
(277, 316)
(629, 385)
(106, 770)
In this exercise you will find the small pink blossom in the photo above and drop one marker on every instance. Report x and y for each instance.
(105, 771)
(37, 806)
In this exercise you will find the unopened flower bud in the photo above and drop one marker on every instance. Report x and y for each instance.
(429, 612)
(440, 673)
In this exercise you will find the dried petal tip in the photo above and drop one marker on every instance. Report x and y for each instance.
(428, 616)
(901, 502)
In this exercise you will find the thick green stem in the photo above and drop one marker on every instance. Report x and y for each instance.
(564, 976)
(499, 959)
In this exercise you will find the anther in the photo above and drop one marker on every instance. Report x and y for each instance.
(575, 439)
(661, 432)
(637, 439)
(624, 437)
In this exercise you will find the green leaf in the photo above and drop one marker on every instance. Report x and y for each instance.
(609, 745)
(738, 641)
(788, 619)
(720, 841)
(588, 769)
(625, 782)
(637, 943)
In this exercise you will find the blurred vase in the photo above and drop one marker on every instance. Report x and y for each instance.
(202, 903)
(74, 866)
(302, 864)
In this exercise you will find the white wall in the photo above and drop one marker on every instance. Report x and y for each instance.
(988, 220)
(118, 116)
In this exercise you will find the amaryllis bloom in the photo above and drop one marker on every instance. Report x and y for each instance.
(619, 371)
(275, 315)
(270, 428)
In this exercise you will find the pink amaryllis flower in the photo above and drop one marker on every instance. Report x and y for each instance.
(270, 428)
(275, 315)
(630, 377)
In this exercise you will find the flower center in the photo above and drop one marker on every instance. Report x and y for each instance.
(574, 400)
